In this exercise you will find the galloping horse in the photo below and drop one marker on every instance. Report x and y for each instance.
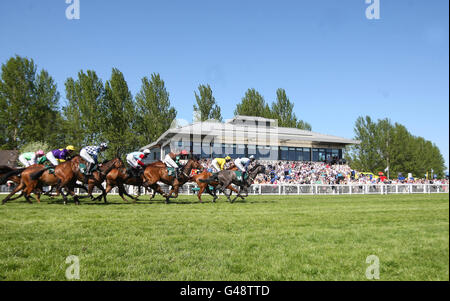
(157, 171)
(206, 186)
(226, 177)
(97, 178)
(13, 177)
(118, 177)
(36, 176)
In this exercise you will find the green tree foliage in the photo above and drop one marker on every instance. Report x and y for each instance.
(82, 114)
(35, 146)
(29, 104)
(118, 116)
(385, 144)
(154, 114)
(283, 111)
(45, 118)
(206, 104)
(253, 104)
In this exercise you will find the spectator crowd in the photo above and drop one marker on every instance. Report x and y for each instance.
(298, 172)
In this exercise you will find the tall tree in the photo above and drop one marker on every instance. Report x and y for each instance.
(28, 103)
(118, 116)
(206, 104)
(154, 114)
(283, 111)
(253, 104)
(384, 144)
(44, 121)
(365, 156)
(83, 110)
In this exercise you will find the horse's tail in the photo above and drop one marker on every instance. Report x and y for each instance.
(10, 174)
(38, 174)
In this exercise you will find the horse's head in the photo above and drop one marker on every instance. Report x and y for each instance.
(257, 169)
(193, 163)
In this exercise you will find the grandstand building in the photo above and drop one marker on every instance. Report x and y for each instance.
(248, 135)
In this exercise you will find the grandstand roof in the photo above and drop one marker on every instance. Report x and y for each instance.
(244, 130)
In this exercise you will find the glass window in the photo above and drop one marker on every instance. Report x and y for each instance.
(292, 154)
(251, 150)
(218, 149)
(315, 154)
(299, 154)
(274, 154)
(197, 148)
(284, 153)
(322, 154)
(263, 152)
(206, 150)
(306, 154)
(240, 150)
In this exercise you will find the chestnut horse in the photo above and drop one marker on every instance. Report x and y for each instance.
(119, 177)
(157, 171)
(97, 178)
(13, 176)
(37, 176)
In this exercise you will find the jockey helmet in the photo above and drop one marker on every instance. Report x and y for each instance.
(146, 151)
(40, 152)
(70, 147)
(252, 158)
(184, 152)
(104, 145)
(227, 158)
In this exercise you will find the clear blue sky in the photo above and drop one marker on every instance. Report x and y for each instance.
(333, 62)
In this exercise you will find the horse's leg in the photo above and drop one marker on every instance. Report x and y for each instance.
(15, 198)
(73, 194)
(19, 187)
(121, 192)
(100, 186)
(224, 186)
(90, 190)
(199, 194)
(124, 191)
(158, 189)
(27, 191)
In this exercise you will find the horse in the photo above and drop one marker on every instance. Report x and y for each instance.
(36, 176)
(119, 177)
(228, 177)
(98, 177)
(206, 186)
(10, 174)
(157, 171)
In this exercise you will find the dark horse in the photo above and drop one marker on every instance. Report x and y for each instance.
(228, 177)
(157, 171)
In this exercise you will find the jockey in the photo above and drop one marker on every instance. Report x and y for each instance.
(219, 163)
(243, 163)
(61, 154)
(90, 154)
(30, 158)
(135, 160)
(172, 159)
